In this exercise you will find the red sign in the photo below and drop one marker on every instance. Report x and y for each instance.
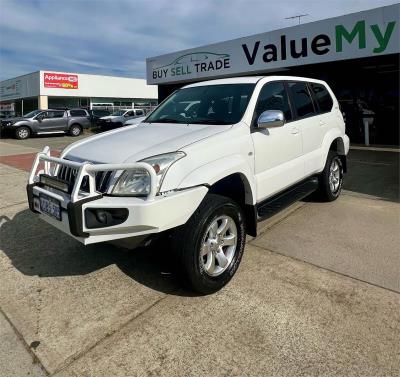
(60, 80)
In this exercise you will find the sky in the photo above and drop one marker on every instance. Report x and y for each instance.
(114, 37)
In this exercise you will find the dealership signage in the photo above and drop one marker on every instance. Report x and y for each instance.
(60, 80)
(363, 34)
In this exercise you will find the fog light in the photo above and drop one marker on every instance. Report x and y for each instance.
(101, 216)
(104, 217)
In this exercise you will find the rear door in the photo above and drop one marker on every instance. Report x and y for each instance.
(278, 151)
(308, 122)
(80, 117)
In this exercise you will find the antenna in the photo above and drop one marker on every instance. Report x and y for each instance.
(297, 16)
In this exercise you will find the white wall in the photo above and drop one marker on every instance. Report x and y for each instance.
(102, 86)
(21, 86)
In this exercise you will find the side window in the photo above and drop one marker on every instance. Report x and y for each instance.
(77, 113)
(322, 96)
(130, 113)
(139, 112)
(273, 96)
(58, 114)
(302, 100)
(53, 114)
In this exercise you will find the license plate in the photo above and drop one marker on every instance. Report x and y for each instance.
(50, 206)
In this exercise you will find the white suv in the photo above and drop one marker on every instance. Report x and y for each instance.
(204, 174)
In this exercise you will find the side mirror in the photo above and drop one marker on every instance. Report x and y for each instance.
(39, 117)
(271, 119)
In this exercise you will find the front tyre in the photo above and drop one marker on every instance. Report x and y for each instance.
(22, 133)
(209, 247)
(331, 178)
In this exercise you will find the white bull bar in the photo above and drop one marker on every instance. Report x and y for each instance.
(86, 169)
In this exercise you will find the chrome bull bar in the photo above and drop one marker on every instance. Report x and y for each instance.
(86, 169)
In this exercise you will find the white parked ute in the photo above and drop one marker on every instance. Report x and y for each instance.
(205, 176)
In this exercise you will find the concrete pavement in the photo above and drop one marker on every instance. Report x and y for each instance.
(104, 311)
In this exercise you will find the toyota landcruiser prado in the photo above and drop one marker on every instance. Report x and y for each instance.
(210, 162)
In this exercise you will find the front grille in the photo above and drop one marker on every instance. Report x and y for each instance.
(68, 174)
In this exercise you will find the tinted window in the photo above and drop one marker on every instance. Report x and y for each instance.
(302, 100)
(205, 104)
(273, 96)
(100, 112)
(77, 113)
(322, 96)
(54, 114)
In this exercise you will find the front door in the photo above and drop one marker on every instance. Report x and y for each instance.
(278, 151)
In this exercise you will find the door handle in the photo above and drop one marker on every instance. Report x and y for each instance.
(295, 130)
(321, 123)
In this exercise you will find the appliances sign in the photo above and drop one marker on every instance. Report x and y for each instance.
(60, 80)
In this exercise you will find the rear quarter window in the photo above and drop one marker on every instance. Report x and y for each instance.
(78, 113)
(322, 97)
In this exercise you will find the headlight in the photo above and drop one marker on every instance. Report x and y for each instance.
(136, 182)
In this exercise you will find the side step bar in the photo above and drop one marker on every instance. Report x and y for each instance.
(284, 199)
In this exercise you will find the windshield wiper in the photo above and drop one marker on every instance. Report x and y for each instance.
(209, 121)
(166, 120)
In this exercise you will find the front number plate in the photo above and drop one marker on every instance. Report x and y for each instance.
(50, 206)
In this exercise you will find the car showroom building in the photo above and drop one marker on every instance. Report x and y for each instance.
(356, 54)
(47, 89)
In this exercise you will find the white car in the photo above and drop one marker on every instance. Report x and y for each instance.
(119, 118)
(252, 146)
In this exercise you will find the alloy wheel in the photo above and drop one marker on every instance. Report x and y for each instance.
(23, 133)
(218, 246)
(335, 176)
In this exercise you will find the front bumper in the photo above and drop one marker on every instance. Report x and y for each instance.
(146, 215)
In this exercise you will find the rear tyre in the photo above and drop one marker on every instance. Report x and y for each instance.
(22, 133)
(209, 247)
(331, 178)
(75, 130)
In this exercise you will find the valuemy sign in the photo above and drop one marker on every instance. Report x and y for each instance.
(363, 34)
(60, 80)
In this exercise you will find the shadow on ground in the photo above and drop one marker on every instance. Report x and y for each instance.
(374, 173)
(37, 249)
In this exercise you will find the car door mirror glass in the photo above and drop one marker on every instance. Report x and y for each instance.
(271, 119)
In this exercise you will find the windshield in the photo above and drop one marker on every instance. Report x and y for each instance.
(32, 113)
(118, 112)
(210, 104)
